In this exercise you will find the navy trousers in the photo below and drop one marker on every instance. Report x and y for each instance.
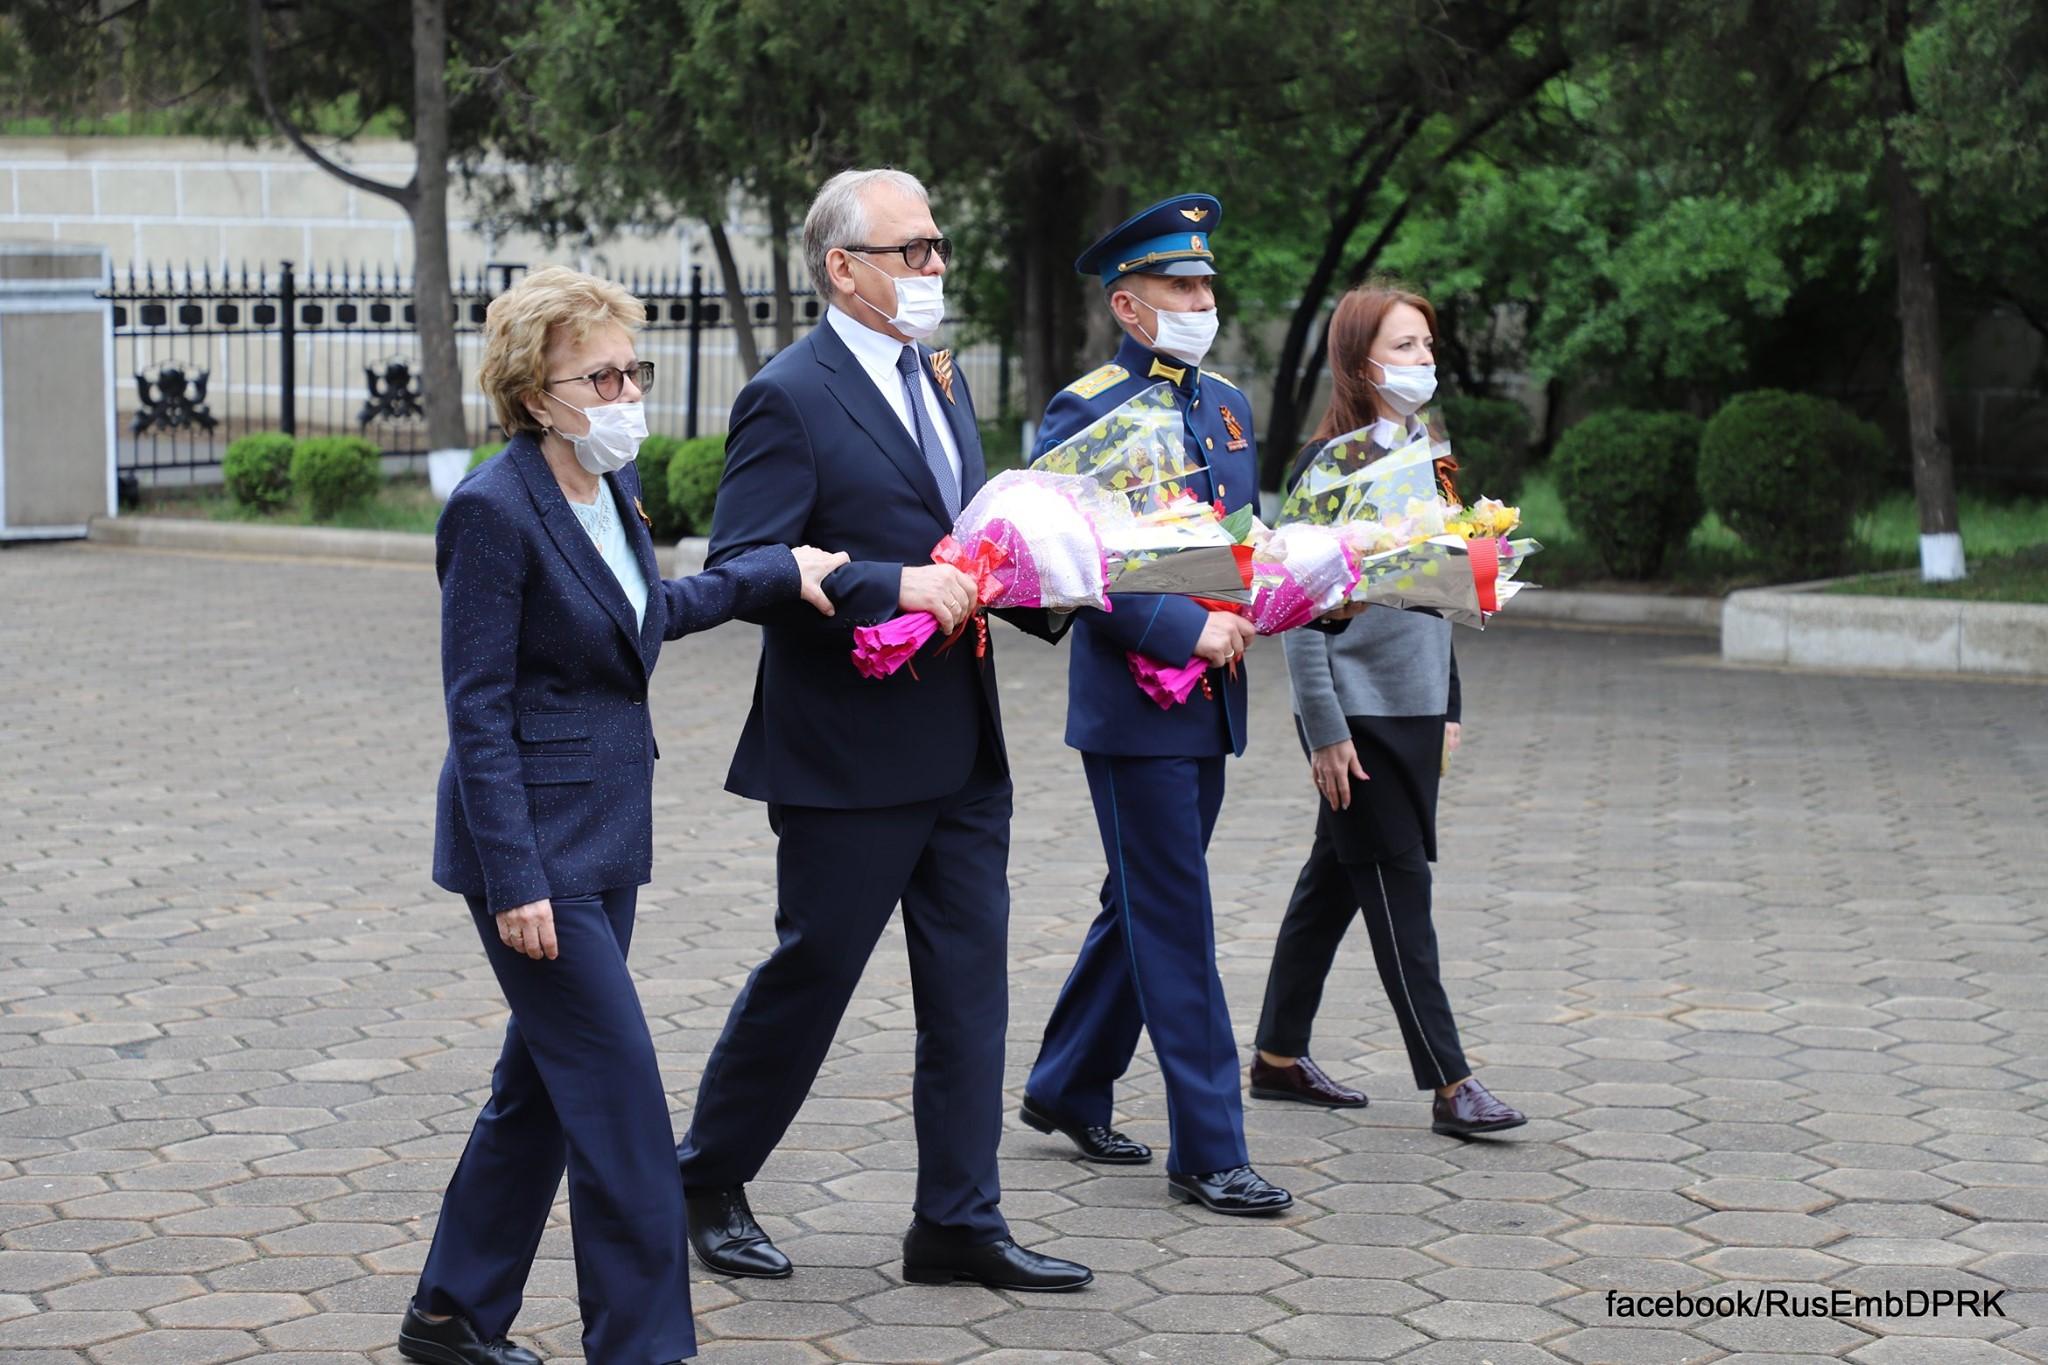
(839, 876)
(576, 1084)
(1149, 962)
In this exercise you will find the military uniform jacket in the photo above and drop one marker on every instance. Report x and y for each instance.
(1107, 713)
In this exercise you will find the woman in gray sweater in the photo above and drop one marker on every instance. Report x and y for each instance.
(1377, 703)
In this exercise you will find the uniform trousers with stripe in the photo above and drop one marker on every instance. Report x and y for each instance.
(1392, 895)
(1149, 963)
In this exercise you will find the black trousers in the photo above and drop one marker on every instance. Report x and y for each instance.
(1393, 895)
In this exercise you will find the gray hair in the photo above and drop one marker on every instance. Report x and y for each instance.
(838, 217)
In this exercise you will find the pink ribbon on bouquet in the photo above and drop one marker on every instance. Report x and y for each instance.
(880, 650)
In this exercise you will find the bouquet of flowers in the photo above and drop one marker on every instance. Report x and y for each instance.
(1027, 540)
(1298, 573)
(1172, 542)
(1415, 547)
(1031, 538)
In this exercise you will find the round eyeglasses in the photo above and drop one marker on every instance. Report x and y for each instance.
(610, 381)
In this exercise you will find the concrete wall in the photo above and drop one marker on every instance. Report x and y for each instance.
(153, 201)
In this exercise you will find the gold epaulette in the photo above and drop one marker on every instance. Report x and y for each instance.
(1222, 378)
(1095, 381)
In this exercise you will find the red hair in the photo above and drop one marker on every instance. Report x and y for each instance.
(1354, 327)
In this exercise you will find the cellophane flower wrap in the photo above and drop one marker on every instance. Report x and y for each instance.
(1415, 547)
(1028, 539)
(1169, 541)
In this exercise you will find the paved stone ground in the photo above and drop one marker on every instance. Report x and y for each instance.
(1761, 953)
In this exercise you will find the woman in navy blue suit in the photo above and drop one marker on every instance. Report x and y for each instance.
(552, 614)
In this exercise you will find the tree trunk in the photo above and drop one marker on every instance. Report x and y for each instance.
(1934, 481)
(778, 250)
(1284, 418)
(433, 303)
(740, 311)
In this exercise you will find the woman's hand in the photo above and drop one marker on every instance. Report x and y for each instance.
(1332, 767)
(815, 565)
(1454, 735)
(529, 929)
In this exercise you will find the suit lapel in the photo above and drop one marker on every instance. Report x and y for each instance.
(641, 539)
(571, 540)
(857, 394)
(959, 411)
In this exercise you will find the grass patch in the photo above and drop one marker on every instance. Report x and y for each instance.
(2017, 576)
(400, 505)
(1713, 562)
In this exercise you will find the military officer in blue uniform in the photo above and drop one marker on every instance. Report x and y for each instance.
(1156, 776)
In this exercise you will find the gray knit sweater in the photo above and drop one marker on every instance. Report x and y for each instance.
(1387, 662)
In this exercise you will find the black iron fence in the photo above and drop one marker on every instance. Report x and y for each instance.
(206, 356)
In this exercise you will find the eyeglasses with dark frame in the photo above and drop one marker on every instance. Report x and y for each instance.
(916, 253)
(610, 381)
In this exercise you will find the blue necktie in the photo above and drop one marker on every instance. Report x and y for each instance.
(927, 434)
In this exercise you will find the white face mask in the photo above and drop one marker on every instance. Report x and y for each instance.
(616, 431)
(920, 300)
(1184, 336)
(1408, 387)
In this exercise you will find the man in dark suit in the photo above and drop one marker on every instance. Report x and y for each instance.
(878, 790)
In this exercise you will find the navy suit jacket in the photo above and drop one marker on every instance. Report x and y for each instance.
(547, 787)
(816, 456)
(1107, 713)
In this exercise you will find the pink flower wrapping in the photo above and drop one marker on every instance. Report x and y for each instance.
(880, 650)
(1167, 685)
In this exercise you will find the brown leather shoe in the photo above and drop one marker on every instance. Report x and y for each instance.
(1472, 1109)
(1304, 1083)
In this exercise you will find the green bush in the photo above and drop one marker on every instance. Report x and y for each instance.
(1788, 473)
(656, 454)
(484, 452)
(1630, 485)
(693, 474)
(1490, 439)
(333, 472)
(258, 470)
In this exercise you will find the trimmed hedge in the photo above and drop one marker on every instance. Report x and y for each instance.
(1788, 473)
(332, 472)
(1490, 440)
(694, 470)
(258, 470)
(1630, 484)
(484, 452)
(656, 454)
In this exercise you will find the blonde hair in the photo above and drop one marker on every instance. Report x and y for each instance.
(523, 320)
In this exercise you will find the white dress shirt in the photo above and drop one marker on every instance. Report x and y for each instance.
(877, 353)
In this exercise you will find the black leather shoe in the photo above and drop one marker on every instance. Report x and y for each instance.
(454, 1342)
(1304, 1083)
(1240, 1190)
(1472, 1109)
(931, 1256)
(1097, 1142)
(728, 1240)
